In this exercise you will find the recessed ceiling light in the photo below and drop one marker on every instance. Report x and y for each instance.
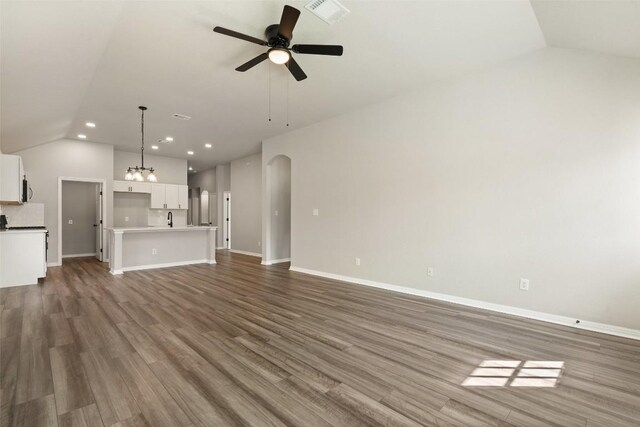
(208, 145)
(155, 147)
(81, 136)
(168, 138)
(90, 124)
(190, 168)
(190, 153)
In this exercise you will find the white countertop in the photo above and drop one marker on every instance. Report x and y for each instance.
(38, 230)
(161, 229)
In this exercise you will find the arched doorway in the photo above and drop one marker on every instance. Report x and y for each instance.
(278, 235)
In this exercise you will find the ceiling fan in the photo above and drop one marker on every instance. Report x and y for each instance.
(278, 39)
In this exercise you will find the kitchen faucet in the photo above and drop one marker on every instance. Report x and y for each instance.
(170, 219)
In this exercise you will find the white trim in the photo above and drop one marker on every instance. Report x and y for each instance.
(79, 255)
(276, 261)
(103, 188)
(515, 311)
(162, 265)
(53, 264)
(236, 251)
(220, 247)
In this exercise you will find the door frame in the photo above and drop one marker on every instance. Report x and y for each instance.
(226, 225)
(103, 185)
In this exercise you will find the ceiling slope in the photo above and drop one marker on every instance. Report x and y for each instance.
(609, 26)
(165, 55)
(49, 52)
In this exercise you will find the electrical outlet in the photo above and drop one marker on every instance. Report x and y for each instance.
(430, 271)
(276, 213)
(259, 243)
(524, 284)
(358, 262)
(316, 212)
(70, 222)
(126, 219)
(154, 251)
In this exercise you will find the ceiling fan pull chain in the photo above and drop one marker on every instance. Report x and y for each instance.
(269, 75)
(287, 100)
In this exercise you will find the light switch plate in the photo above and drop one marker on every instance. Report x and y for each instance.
(316, 212)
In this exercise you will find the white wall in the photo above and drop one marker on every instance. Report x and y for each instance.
(66, 158)
(530, 170)
(279, 178)
(246, 213)
(79, 207)
(168, 169)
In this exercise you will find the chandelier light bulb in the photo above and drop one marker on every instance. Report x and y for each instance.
(152, 176)
(129, 175)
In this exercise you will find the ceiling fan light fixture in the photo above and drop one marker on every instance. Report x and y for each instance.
(279, 56)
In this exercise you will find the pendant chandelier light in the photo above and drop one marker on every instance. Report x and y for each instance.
(136, 173)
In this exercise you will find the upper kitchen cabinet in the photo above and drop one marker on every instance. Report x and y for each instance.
(11, 189)
(169, 196)
(131, 187)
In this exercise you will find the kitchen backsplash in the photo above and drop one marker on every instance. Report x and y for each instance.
(29, 214)
(158, 217)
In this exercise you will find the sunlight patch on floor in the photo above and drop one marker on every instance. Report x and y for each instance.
(515, 373)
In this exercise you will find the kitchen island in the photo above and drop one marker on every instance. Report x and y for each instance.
(143, 248)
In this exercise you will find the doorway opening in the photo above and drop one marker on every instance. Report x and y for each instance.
(278, 227)
(81, 218)
(226, 220)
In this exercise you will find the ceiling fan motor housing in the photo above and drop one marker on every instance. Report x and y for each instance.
(274, 39)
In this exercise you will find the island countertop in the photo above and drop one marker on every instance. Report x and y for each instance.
(162, 228)
(139, 248)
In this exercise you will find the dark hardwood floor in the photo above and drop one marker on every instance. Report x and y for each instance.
(243, 344)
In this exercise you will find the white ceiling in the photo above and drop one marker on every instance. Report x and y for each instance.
(607, 26)
(65, 63)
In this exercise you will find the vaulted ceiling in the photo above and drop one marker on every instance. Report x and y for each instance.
(64, 63)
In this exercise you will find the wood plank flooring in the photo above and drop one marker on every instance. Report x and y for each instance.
(239, 343)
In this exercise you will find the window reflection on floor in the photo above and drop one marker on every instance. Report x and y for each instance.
(515, 373)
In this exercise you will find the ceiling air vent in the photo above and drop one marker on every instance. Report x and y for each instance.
(330, 11)
(181, 116)
(164, 141)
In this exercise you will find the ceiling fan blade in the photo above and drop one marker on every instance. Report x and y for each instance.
(317, 49)
(288, 22)
(252, 63)
(295, 69)
(241, 36)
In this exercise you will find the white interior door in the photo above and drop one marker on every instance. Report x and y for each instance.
(226, 225)
(98, 225)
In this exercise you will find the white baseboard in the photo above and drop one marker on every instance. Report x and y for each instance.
(53, 264)
(162, 265)
(79, 255)
(506, 309)
(235, 251)
(221, 247)
(276, 261)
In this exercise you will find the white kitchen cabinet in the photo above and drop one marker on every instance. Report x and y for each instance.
(131, 187)
(183, 197)
(11, 179)
(168, 196)
(171, 196)
(24, 257)
(157, 196)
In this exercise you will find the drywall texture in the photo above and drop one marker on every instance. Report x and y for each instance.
(246, 190)
(66, 158)
(168, 169)
(131, 209)
(279, 171)
(79, 207)
(529, 170)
